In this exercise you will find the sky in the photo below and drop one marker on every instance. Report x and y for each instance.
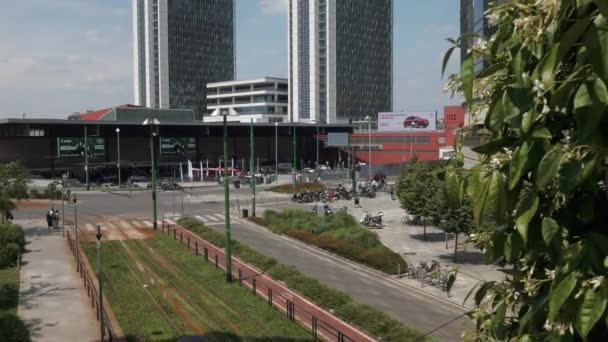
(64, 56)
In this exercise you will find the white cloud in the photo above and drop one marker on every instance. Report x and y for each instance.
(273, 6)
(445, 29)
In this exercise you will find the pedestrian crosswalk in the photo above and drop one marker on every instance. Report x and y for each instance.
(210, 218)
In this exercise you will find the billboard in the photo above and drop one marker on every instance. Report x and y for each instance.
(406, 122)
(68, 147)
(167, 145)
(337, 139)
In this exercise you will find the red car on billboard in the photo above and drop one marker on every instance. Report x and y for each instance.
(415, 122)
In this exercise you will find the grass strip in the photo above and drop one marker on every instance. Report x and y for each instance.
(12, 328)
(300, 187)
(375, 322)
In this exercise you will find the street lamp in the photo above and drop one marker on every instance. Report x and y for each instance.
(276, 153)
(118, 150)
(231, 112)
(99, 279)
(153, 123)
(369, 146)
(253, 170)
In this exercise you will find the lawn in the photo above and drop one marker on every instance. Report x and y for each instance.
(339, 233)
(374, 321)
(300, 187)
(160, 291)
(11, 327)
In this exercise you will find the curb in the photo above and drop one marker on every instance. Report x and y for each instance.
(366, 268)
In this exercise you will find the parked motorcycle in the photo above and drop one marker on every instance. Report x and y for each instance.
(372, 221)
(327, 211)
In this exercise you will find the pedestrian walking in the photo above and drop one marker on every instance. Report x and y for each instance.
(49, 218)
(56, 219)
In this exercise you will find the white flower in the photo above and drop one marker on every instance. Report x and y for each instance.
(550, 273)
(597, 281)
(545, 109)
(493, 19)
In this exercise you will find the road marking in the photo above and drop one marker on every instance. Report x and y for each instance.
(89, 227)
(170, 221)
(148, 224)
(211, 218)
(137, 224)
(220, 216)
(200, 218)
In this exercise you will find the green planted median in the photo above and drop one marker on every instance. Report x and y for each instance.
(339, 233)
(12, 328)
(159, 291)
(369, 319)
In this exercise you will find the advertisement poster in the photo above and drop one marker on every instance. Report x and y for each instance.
(68, 147)
(167, 145)
(406, 122)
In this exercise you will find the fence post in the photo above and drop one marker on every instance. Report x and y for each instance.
(253, 287)
(188, 238)
(196, 247)
(206, 251)
(181, 237)
(270, 296)
(240, 277)
(216, 263)
(174, 234)
(314, 326)
(340, 336)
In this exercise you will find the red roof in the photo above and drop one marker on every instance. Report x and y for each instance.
(98, 114)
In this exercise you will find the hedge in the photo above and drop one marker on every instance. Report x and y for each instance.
(375, 322)
(340, 234)
(12, 233)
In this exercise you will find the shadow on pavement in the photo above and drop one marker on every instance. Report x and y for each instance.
(431, 237)
(465, 257)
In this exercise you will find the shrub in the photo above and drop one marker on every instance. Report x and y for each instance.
(11, 233)
(9, 253)
(12, 329)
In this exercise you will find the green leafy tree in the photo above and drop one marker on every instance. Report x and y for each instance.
(543, 176)
(13, 185)
(418, 187)
(457, 220)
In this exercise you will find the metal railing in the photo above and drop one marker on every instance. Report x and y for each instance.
(113, 333)
(321, 324)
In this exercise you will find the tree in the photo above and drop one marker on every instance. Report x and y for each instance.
(543, 176)
(13, 185)
(457, 220)
(417, 189)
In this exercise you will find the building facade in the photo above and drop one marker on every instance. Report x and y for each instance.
(340, 59)
(178, 47)
(263, 100)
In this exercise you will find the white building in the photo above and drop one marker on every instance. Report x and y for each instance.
(340, 59)
(178, 47)
(262, 99)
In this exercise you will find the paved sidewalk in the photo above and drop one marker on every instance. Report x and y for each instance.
(52, 298)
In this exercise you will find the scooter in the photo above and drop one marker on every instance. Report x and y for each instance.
(327, 211)
(371, 221)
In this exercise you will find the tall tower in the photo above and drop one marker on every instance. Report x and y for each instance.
(178, 47)
(340, 59)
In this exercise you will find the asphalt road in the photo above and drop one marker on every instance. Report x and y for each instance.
(412, 306)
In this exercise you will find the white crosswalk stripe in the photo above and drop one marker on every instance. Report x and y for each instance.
(200, 218)
(221, 217)
(125, 224)
(137, 224)
(211, 218)
(148, 224)
(170, 221)
(89, 227)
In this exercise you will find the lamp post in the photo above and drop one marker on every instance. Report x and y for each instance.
(153, 123)
(276, 153)
(228, 257)
(253, 169)
(317, 162)
(76, 233)
(86, 158)
(99, 279)
(118, 150)
(369, 146)
(295, 158)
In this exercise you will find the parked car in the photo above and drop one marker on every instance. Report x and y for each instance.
(415, 122)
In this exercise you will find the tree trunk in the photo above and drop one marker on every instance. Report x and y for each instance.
(456, 247)
(446, 239)
(424, 225)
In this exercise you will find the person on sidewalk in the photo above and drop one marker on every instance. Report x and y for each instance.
(49, 218)
(56, 219)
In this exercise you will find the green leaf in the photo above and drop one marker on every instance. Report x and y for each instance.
(466, 78)
(542, 133)
(525, 214)
(446, 59)
(572, 35)
(549, 229)
(545, 69)
(512, 247)
(548, 167)
(596, 44)
(582, 97)
(493, 145)
(482, 291)
(496, 196)
(531, 314)
(481, 200)
(517, 68)
(606, 262)
(518, 164)
(560, 293)
(568, 176)
(581, 4)
(590, 311)
(452, 189)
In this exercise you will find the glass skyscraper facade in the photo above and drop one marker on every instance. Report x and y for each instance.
(179, 47)
(340, 59)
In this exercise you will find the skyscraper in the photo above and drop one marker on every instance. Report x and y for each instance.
(340, 59)
(178, 47)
